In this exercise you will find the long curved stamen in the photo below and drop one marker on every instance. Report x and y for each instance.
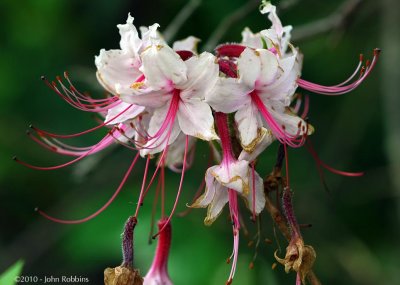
(277, 130)
(179, 189)
(45, 133)
(62, 148)
(341, 88)
(319, 163)
(105, 206)
(234, 211)
(141, 195)
(99, 146)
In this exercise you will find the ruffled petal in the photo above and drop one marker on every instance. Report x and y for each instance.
(162, 67)
(151, 36)
(130, 42)
(195, 119)
(249, 125)
(115, 68)
(202, 76)
(273, 17)
(249, 67)
(190, 43)
(228, 95)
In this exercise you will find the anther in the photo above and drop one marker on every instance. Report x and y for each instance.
(43, 77)
(36, 209)
(58, 78)
(229, 282)
(228, 260)
(250, 243)
(14, 158)
(66, 74)
(251, 265)
(377, 51)
(273, 266)
(361, 57)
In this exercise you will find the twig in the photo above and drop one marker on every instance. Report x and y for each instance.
(173, 28)
(228, 21)
(338, 19)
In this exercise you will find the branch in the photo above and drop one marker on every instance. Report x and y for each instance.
(173, 28)
(340, 18)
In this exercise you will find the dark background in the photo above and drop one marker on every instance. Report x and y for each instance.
(355, 224)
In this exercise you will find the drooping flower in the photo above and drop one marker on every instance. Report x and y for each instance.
(225, 181)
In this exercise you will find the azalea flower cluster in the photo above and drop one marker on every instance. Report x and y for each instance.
(164, 98)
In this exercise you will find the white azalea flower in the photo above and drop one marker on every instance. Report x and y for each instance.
(175, 90)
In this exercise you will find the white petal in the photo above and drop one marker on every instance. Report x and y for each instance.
(233, 176)
(205, 199)
(292, 124)
(228, 95)
(259, 193)
(202, 76)
(217, 204)
(190, 43)
(248, 123)
(149, 98)
(195, 119)
(162, 67)
(159, 142)
(251, 40)
(151, 36)
(249, 67)
(273, 17)
(266, 139)
(130, 42)
(132, 112)
(269, 68)
(283, 88)
(115, 68)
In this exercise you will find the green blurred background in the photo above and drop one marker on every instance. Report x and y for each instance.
(355, 224)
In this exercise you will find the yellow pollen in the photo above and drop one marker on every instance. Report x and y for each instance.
(137, 85)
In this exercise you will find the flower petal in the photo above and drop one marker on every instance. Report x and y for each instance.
(265, 140)
(162, 134)
(269, 68)
(176, 151)
(115, 68)
(130, 113)
(148, 98)
(130, 42)
(190, 43)
(195, 119)
(228, 95)
(206, 198)
(249, 124)
(162, 67)
(217, 204)
(202, 76)
(251, 40)
(249, 67)
(259, 194)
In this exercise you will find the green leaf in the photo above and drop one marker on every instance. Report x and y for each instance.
(8, 276)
